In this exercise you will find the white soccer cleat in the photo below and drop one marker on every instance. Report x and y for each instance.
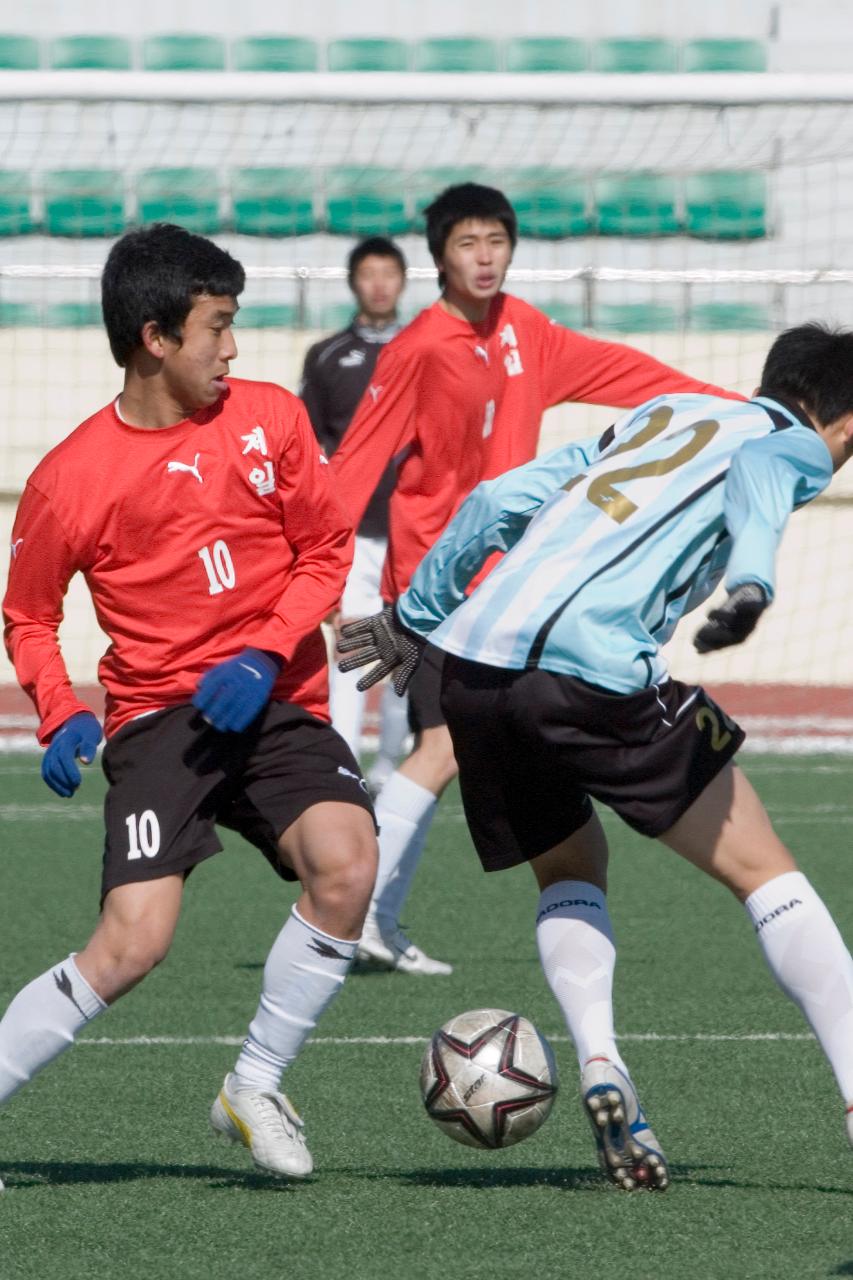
(396, 951)
(628, 1152)
(267, 1124)
(850, 1124)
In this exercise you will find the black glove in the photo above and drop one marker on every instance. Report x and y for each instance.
(734, 620)
(383, 639)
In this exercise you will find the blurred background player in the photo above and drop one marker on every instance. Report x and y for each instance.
(459, 397)
(199, 511)
(555, 688)
(335, 376)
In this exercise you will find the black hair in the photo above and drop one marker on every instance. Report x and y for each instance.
(812, 364)
(374, 247)
(466, 200)
(156, 273)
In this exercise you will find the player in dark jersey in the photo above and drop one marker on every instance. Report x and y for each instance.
(335, 376)
(199, 509)
(459, 397)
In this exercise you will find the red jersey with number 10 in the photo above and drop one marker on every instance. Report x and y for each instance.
(195, 540)
(457, 403)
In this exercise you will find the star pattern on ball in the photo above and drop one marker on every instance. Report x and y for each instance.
(449, 1053)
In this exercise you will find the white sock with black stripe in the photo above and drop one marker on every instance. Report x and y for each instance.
(304, 971)
(42, 1022)
(809, 960)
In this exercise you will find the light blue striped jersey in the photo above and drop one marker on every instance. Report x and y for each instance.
(611, 540)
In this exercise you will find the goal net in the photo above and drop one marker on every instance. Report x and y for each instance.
(693, 216)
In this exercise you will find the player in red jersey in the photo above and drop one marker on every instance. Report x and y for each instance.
(199, 510)
(458, 397)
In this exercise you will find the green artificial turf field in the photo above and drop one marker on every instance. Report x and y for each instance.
(110, 1169)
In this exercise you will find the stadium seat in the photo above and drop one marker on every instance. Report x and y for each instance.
(636, 317)
(729, 316)
(273, 202)
(331, 315)
(183, 53)
(546, 53)
(73, 315)
(550, 204)
(367, 55)
(425, 184)
(456, 54)
(268, 315)
(15, 216)
(634, 55)
(639, 204)
(16, 315)
(569, 314)
(189, 197)
(724, 55)
(726, 206)
(105, 53)
(19, 53)
(365, 202)
(84, 202)
(274, 53)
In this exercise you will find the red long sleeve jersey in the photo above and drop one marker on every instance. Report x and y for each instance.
(458, 403)
(196, 541)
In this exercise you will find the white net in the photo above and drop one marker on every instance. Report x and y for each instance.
(692, 223)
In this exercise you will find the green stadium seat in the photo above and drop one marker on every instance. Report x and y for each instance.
(273, 202)
(183, 53)
(726, 206)
(331, 315)
(274, 53)
(457, 54)
(106, 53)
(365, 202)
(74, 315)
(367, 55)
(639, 204)
(189, 197)
(84, 202)
(268, 315)
(15, 216)
(636, 317)
(546, 53)
(729, 316)
(725, 55)
(634, 55)
(550, 204)
(570, 314)
(19, 53)
(17, 315)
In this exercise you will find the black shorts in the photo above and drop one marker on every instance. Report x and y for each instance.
(172, 778)
(425, 692)
(533, 746)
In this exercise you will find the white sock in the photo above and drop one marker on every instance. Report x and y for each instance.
(346, 706)
(305, 970)
(575, 941)
(809, 960)
(42, 1022)
(404, 811)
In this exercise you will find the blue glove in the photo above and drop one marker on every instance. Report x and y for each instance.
(234, 693)
(77, 738)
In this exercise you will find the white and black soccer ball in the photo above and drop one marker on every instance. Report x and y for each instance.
(488, 1078)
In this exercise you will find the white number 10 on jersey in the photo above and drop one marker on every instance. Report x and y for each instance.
(219, 568)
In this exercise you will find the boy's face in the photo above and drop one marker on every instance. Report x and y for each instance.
(195, 367)
(475, 260)
(377, 285)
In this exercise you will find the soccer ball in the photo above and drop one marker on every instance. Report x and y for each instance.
(488, 1078)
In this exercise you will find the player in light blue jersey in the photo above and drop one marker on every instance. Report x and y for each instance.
(555, 689)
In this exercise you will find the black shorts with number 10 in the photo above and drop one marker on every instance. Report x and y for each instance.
(173, 779)
(533, 746)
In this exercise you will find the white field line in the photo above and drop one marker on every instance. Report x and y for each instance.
(137, 1042)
